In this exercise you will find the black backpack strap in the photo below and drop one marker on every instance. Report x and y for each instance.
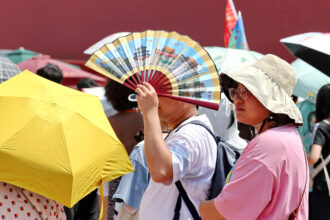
(189, 204)
(182, 192)
(177, 207)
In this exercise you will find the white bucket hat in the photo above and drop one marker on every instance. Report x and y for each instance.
(271, 81)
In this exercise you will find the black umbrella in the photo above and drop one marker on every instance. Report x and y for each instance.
(312, 47)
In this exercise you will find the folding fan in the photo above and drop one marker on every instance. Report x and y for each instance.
(175, 65)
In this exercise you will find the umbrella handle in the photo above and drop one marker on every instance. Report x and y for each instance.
(101, 209)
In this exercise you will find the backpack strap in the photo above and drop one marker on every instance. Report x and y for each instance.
(177, 207)
(197, 122)
(183, 194)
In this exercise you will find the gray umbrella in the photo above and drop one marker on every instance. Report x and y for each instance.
(3, 52)
(8, 69)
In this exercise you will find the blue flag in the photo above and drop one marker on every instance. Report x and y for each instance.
(238, 39)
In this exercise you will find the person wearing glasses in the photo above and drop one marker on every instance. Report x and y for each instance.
(270, 179)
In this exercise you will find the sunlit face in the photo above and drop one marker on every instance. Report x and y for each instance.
(168, 108)
(173, 111)
(248, 109)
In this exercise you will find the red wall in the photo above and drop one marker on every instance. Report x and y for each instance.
(65, 28)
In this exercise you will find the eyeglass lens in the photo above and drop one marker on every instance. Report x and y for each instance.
(241, 93)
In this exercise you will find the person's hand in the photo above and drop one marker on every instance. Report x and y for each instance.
(147, 99)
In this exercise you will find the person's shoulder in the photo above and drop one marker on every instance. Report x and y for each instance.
(324, 125)
(278, 133)
(195, 130)
(138, 151)
(275, 139)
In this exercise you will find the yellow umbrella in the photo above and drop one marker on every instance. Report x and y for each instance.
(56, 141)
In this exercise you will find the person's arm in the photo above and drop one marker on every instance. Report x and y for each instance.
(208, 211)
(105, 207)
(314, 154)
(157, 155)
(318, 142)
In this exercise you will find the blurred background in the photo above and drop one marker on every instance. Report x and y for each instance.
(65, 28)
(62, 30)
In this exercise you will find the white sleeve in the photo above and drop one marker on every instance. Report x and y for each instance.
(184, 149)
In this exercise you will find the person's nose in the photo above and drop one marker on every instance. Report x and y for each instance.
(238, 99)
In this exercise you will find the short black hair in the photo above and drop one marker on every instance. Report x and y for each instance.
(51, 72)
(323, 103)
(117, 94)
(86, 83)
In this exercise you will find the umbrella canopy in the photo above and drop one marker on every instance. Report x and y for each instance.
(100, 92)
(307, 110)
(21, 54)
(71, 75)
(56, 141)
(309, 80)
(231, 59)
(8, 69)
(3, 52)
(312, 47)
(104, 41)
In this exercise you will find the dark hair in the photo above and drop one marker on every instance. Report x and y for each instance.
(323, 103)
(51, 72)
(86, 83)
(282, 119)
(226, 82)
(117, 94)
(294, 98)
(232, 119)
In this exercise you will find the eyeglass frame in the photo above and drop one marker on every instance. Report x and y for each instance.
(242, 93)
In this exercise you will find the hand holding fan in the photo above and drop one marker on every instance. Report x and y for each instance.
(175, 65)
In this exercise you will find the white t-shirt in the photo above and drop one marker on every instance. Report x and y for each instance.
(193, 159)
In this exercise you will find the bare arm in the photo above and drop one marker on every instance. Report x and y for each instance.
(314, 155)
(208, 211)
(158, 157)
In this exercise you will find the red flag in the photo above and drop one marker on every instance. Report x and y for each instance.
(230, 20)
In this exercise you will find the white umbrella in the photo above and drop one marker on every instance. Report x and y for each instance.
(104, 41)
(230, 59)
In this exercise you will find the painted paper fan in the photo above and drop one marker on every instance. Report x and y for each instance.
(175, 65)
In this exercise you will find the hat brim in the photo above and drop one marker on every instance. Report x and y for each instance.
(270, 94)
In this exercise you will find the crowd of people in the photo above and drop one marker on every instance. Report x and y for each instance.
(270, 180)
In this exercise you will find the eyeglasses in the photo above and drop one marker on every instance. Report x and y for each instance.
(240, 92)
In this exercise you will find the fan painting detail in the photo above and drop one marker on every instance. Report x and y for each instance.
(175, 65)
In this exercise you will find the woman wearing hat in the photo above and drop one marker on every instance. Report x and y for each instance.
(269, 179)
